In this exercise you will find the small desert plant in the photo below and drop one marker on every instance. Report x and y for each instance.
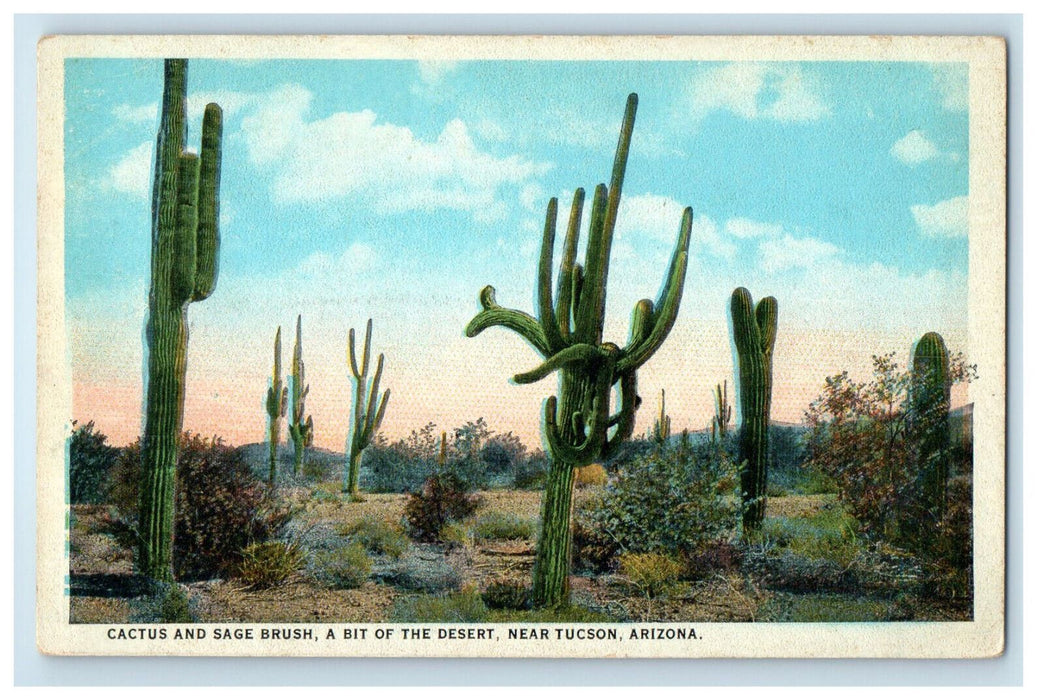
(342, 567)
(710, 559)
(506, 595)
(444, 498)
(378, 536)
(593, 548)
(652, 574)
(168, 603)
(496, 525)
(269, 564)
(590, 475)
(462, 606)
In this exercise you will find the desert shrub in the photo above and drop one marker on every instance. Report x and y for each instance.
(506, 595)
(91, 461)
(669, 500)
(948, 559)
(392, 469)
(454, 534)
(497, 525)
(590, 475)
(462, 606)
(314, 471)
(530, 472)
(377, 536)
(341, 567)
(593, 548)
(269, 564)
(829, 533)
(710, 559)
(427, 574)
(652, 574)
(220, 506)
(444, 498)
(166, 603)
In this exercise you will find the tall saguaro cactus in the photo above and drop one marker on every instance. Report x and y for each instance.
(275, 405)
(184, 268)
(754, 333)
(931, 408)
(368, 414)
(301, 430)
(567, 331)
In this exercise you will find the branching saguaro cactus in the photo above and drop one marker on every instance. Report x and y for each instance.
(567, 331)
(368, 414)
(754, 333)
(662, 426)
(184, 268)
(722, 413)
(301, 430)
(931, 408)
(275, 405)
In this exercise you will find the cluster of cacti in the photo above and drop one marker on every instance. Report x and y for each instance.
(662, 426)
(931, 407)
(301, 430)
(722, 412)
(754, 334)
(275, 405)
(567, 331)
(368, 413)
(184, 267)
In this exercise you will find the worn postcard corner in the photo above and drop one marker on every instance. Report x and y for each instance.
(521, 346)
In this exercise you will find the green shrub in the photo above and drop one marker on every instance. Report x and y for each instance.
(530, 472)
(506, 595)
(669, 501)
(220, 506)
(90, 463)
(497, 525)
(269, 564)
(342, 567)
(379, 537)
(829, 533)
(590, 475)
(167, 603)
(463, 606)
(652, 574)
(444, 498)
(593, 548)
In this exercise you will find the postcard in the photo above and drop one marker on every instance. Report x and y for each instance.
(530, 346)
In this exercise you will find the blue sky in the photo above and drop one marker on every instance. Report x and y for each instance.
(397, 189)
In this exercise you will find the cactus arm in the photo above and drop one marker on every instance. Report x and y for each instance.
(766, 314)
(642, 321)
(666, 309)
(375, 392)
(208, 234)
(624, 420)
(565, 275)
(493, 314)
(558, 446)
(574, 354)
(590, 311)
(545, 304)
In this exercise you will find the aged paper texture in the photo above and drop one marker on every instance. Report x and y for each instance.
(744, 399)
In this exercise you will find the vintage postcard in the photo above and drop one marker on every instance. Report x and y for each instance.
(522, 346)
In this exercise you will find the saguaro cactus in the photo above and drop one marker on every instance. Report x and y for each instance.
(567, 331)
(722, 412)
(300, 430)
(275, 405)
(184, 268)
(366, 419)
(662, 427)
(754, 333)
(931, 409)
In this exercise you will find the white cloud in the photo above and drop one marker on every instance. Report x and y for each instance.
(351, 153)
(132, 174)
(945, 219)
(914, 148)
(137, 114)
(780, 254)
(758, 91)
(357, 257)
(951, 82)
(747, 228)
